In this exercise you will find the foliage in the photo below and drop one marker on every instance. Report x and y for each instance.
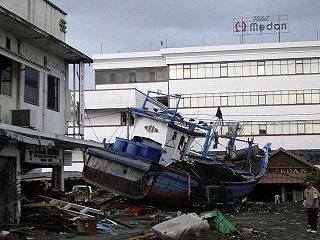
(99, 192)
(314, 176)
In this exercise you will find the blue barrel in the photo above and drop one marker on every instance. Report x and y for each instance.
(132, 148)
(154, 154)
(120, 144)
(143, 150)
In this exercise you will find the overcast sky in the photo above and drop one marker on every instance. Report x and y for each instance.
(140, 25)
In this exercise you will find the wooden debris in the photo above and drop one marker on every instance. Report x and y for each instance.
(142, 236)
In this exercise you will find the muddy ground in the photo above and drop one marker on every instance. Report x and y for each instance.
(257, 221)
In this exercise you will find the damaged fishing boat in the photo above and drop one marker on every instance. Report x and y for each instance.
(156, 165)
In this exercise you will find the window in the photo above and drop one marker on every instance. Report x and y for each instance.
(53, 93)
(194, 71)
(186, 71)
(253, 68)
(159, 76)
(209, 72)
(276, 68)
(112, 78)
(261, 68)
(201, 70)
(124, 118)
(224, 69)
(101, 77)
(132, 77)
(31, 88)
(231, 71)
(306, 66)
(152, 76)
(284, 67)
(173, 72)
(5, 75)
(8, 43)
(179, 71)
(246, 69)
(275, 128)
(145, 76)
(299, 68)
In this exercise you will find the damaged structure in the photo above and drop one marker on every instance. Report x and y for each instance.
(34, 97)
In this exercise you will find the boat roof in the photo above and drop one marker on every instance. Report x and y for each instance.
(173, 118)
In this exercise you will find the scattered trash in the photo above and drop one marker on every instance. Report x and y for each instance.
(221, 222)
(246, 231)
(86, 226)
(176, 227)
(102, 227)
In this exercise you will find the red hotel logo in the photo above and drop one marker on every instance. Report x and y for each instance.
(260, 25)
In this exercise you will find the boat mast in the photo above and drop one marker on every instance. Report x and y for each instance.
(211, 133)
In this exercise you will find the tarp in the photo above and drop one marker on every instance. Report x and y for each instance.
(221, 222)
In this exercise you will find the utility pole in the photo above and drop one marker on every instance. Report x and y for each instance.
(127, 122)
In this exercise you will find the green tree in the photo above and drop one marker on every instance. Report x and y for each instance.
(314, 176)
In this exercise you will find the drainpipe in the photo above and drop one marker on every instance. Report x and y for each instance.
(45, 80)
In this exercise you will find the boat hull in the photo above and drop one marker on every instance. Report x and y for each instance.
(137, 178)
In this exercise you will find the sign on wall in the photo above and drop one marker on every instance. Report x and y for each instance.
(44, 156)
(256, 25)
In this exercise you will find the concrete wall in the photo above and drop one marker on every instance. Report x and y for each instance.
(46, 120)
(40, 13)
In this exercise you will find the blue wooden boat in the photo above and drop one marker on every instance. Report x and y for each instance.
(156, 165)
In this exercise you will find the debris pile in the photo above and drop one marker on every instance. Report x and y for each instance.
(109, 216)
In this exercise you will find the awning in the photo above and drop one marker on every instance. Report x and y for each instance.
(35, 137)
(29, 140)
(282, 178)
(36, 36)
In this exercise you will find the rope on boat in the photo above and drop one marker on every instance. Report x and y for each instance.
(189, 186)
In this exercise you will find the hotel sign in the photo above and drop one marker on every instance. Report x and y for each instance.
(257, 25)
(289, 170)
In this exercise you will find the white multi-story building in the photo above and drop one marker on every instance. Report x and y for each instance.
(34, 96)
(272, 89)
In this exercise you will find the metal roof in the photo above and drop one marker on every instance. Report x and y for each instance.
(35, 137)
(283, 178)
(36, 36)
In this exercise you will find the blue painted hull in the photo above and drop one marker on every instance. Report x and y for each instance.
(139, 178)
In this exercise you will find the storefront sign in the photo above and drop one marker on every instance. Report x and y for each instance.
(288, 170)
(44, 156)
(260, 25)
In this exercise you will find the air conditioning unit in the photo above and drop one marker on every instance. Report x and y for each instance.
(24, 118)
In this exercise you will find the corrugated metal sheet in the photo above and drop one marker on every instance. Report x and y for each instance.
(283, 178)
(29, 140)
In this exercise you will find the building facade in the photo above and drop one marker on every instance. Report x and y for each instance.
(272, 89)
(285, 176)
(34, 96)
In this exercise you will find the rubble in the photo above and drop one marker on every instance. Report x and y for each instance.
(119, 218)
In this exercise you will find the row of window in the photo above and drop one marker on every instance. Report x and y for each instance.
(31, 88)
(249, 68)
(131, 76)
(272, 128)
(261, 98)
